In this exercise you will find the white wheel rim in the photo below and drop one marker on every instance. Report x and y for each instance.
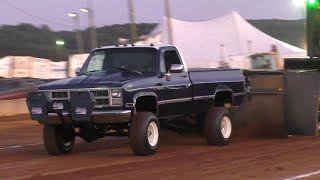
(226, 127)
(153, 134)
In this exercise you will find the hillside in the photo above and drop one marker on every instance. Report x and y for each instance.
(290, 31)
(26, 39)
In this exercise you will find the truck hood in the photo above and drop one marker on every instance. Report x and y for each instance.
(117, 79)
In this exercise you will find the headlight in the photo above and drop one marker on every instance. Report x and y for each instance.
(116, 93)
(116, 97)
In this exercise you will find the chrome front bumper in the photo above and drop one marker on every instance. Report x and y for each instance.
(98, 117)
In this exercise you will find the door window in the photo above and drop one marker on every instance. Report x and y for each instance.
(171, 57)
(96, 63)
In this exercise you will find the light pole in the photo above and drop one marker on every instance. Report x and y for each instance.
(79, 39)
(301, 4)
(133, 26)
(59, 48)
(60, 53)
(93, 32)
(169, 23)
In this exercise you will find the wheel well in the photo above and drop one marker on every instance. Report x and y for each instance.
(147, 104)
(222, 98)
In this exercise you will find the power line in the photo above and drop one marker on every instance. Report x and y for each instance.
(36, 17)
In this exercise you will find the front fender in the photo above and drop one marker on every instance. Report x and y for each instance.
(145, 94)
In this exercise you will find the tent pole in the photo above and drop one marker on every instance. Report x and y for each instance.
(222, 52)
(249, 46)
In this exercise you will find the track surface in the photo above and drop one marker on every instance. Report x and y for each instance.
(187, 156)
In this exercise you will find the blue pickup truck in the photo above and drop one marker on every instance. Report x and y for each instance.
(130, 91)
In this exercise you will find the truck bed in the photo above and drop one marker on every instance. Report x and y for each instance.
(211, 75)
(207, 82)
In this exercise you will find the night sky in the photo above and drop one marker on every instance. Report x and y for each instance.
(54, 12)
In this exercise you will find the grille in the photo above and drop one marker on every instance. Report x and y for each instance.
(60, 95)
(101, 97)
(100, 93)
(102, 102)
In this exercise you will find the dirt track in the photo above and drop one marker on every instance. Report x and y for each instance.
(187, 156)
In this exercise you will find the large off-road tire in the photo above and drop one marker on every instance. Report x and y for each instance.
(144, 134)
(218, 126)
(58, 139)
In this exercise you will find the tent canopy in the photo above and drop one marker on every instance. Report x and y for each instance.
(205, 43)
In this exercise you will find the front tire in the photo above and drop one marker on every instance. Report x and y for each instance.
(218, 126)
(144, 134)
(58, 139)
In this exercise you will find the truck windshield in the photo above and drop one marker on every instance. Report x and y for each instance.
(131, 60)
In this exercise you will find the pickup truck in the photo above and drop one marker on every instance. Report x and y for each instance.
(129, 91)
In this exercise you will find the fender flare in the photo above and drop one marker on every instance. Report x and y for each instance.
(144, 94)
(224, 88)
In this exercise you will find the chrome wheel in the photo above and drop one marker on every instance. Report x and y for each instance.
(226, 127)
(153, 134)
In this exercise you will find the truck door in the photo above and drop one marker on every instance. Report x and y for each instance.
(176, 94)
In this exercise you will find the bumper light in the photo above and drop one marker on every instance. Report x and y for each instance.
(81, 111)
(36, 110)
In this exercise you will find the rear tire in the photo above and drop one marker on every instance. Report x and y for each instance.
(58, 139)
(218, 126)
(144, 134)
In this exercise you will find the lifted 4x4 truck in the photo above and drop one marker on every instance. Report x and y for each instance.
(128, 91)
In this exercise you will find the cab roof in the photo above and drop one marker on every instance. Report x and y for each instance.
(158, 46)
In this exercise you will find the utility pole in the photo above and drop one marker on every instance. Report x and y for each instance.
(93, 31)
(313, 26)
(76, 21)
(168, 21)
(133, 26)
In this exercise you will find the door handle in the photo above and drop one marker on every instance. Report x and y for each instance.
(159, 86)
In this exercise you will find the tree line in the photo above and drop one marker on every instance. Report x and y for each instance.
(29, 40)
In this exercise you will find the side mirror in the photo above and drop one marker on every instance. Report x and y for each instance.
(78, 71)
(176, 68)
(162, 74)
(168, 76)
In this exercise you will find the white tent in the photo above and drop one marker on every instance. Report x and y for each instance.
(205, 43)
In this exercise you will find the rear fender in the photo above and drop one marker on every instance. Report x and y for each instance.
(224, 89)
